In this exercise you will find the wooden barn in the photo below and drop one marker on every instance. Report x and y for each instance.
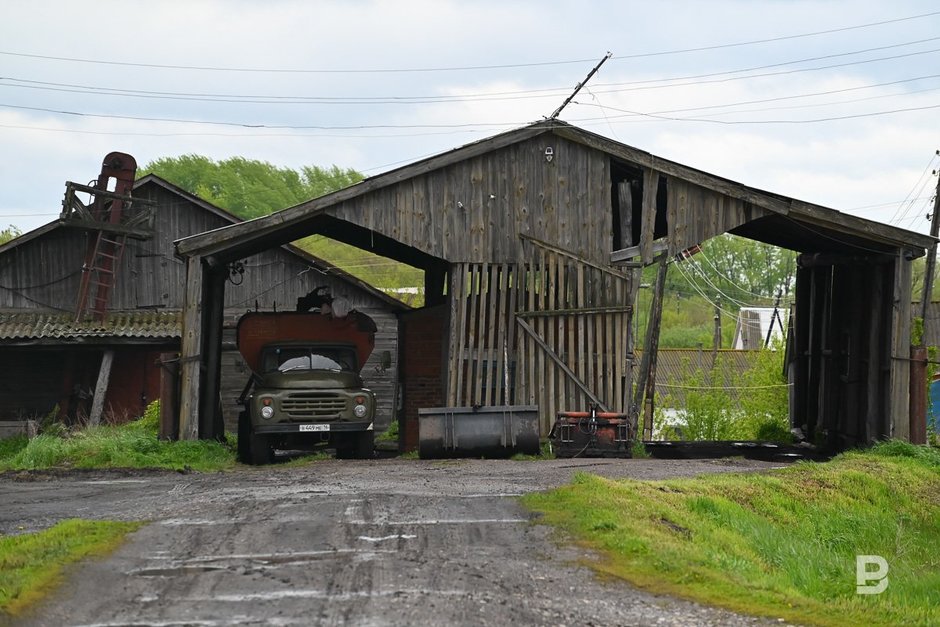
(50, 361)
(531, 243)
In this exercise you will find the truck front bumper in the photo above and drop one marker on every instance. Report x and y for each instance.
(313, 427)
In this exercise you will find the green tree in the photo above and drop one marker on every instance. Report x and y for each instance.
(9, 233)
(247, 187)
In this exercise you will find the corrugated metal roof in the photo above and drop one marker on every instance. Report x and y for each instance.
(133, 324)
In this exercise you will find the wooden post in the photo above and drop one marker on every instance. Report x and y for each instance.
(169, 396)
(191, 344)
(210, 405)
(101, 388)
(897, 358)
(644, 392)
(918, 403)
(716, 336)
(931, 255)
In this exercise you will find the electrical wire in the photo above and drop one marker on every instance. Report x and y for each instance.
(923, 177)
(418, 99)
(469, 67)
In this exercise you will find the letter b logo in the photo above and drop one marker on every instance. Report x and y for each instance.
(864, 575)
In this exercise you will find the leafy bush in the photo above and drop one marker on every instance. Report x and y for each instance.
(722, 404)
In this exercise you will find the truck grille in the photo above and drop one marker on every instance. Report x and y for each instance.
(313, 406)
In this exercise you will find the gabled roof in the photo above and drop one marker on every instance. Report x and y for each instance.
(260, 232)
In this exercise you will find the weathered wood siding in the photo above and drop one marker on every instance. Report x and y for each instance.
(44, 274)
(473, 211)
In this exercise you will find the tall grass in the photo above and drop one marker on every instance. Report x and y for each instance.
(782, 545)
(133, 445)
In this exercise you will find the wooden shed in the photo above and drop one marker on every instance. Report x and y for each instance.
(531, 242)
(49, 360)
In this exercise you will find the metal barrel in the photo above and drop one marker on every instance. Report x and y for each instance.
(488, 431)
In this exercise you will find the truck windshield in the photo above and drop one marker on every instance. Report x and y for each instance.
(303, 358)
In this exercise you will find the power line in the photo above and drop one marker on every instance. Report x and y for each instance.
(915, 187)
(765, 74)
(771, 121)
(436, 99)
(766, 100)
(112, 116)
(387, 70)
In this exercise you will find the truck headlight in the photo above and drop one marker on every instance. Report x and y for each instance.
(360, 411)
(267, 412)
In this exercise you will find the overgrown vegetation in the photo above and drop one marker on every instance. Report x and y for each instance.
(724, 404)
(132, 445)
(32, 563)
(780, 544)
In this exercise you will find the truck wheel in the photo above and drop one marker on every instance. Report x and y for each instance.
(356, 445)
(252, 449)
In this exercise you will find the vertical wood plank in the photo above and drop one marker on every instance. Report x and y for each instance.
(648, 223)
(101, 388)
(580, 351)
(466, 281)
(191, 345)
(899, 403)
(473, 312)
(491, 356)
(455, 292)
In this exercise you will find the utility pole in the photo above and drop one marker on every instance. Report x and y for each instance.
(578, 87)
(716, 339)
(932, 255)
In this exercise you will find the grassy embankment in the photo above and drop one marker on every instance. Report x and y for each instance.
(132, 445)
(31, 564)
(780, 544)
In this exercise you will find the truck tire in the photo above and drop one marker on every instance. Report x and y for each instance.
(252, 449)
(360, 445)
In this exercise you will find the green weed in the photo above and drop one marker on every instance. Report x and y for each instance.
(132, 445)
(780, 544)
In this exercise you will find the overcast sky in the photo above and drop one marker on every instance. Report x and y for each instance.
(846, 118)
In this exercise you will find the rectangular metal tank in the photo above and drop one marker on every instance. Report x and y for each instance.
(488, 431)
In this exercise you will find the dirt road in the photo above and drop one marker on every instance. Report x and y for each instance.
(387, 542)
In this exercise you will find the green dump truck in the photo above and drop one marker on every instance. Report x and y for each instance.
(305, 390)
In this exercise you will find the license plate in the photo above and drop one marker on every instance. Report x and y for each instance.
(314, 427)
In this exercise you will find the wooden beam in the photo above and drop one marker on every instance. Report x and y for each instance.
(570, 255)
(190, 357)
(561, 364)
(584, 311)
(899, 399)
(211, 425)
(101, 388)
(644, 390)
(622, 257)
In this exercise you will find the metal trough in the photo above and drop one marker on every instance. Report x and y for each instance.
(489, 431)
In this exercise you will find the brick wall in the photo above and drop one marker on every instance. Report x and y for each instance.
(423, 346)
